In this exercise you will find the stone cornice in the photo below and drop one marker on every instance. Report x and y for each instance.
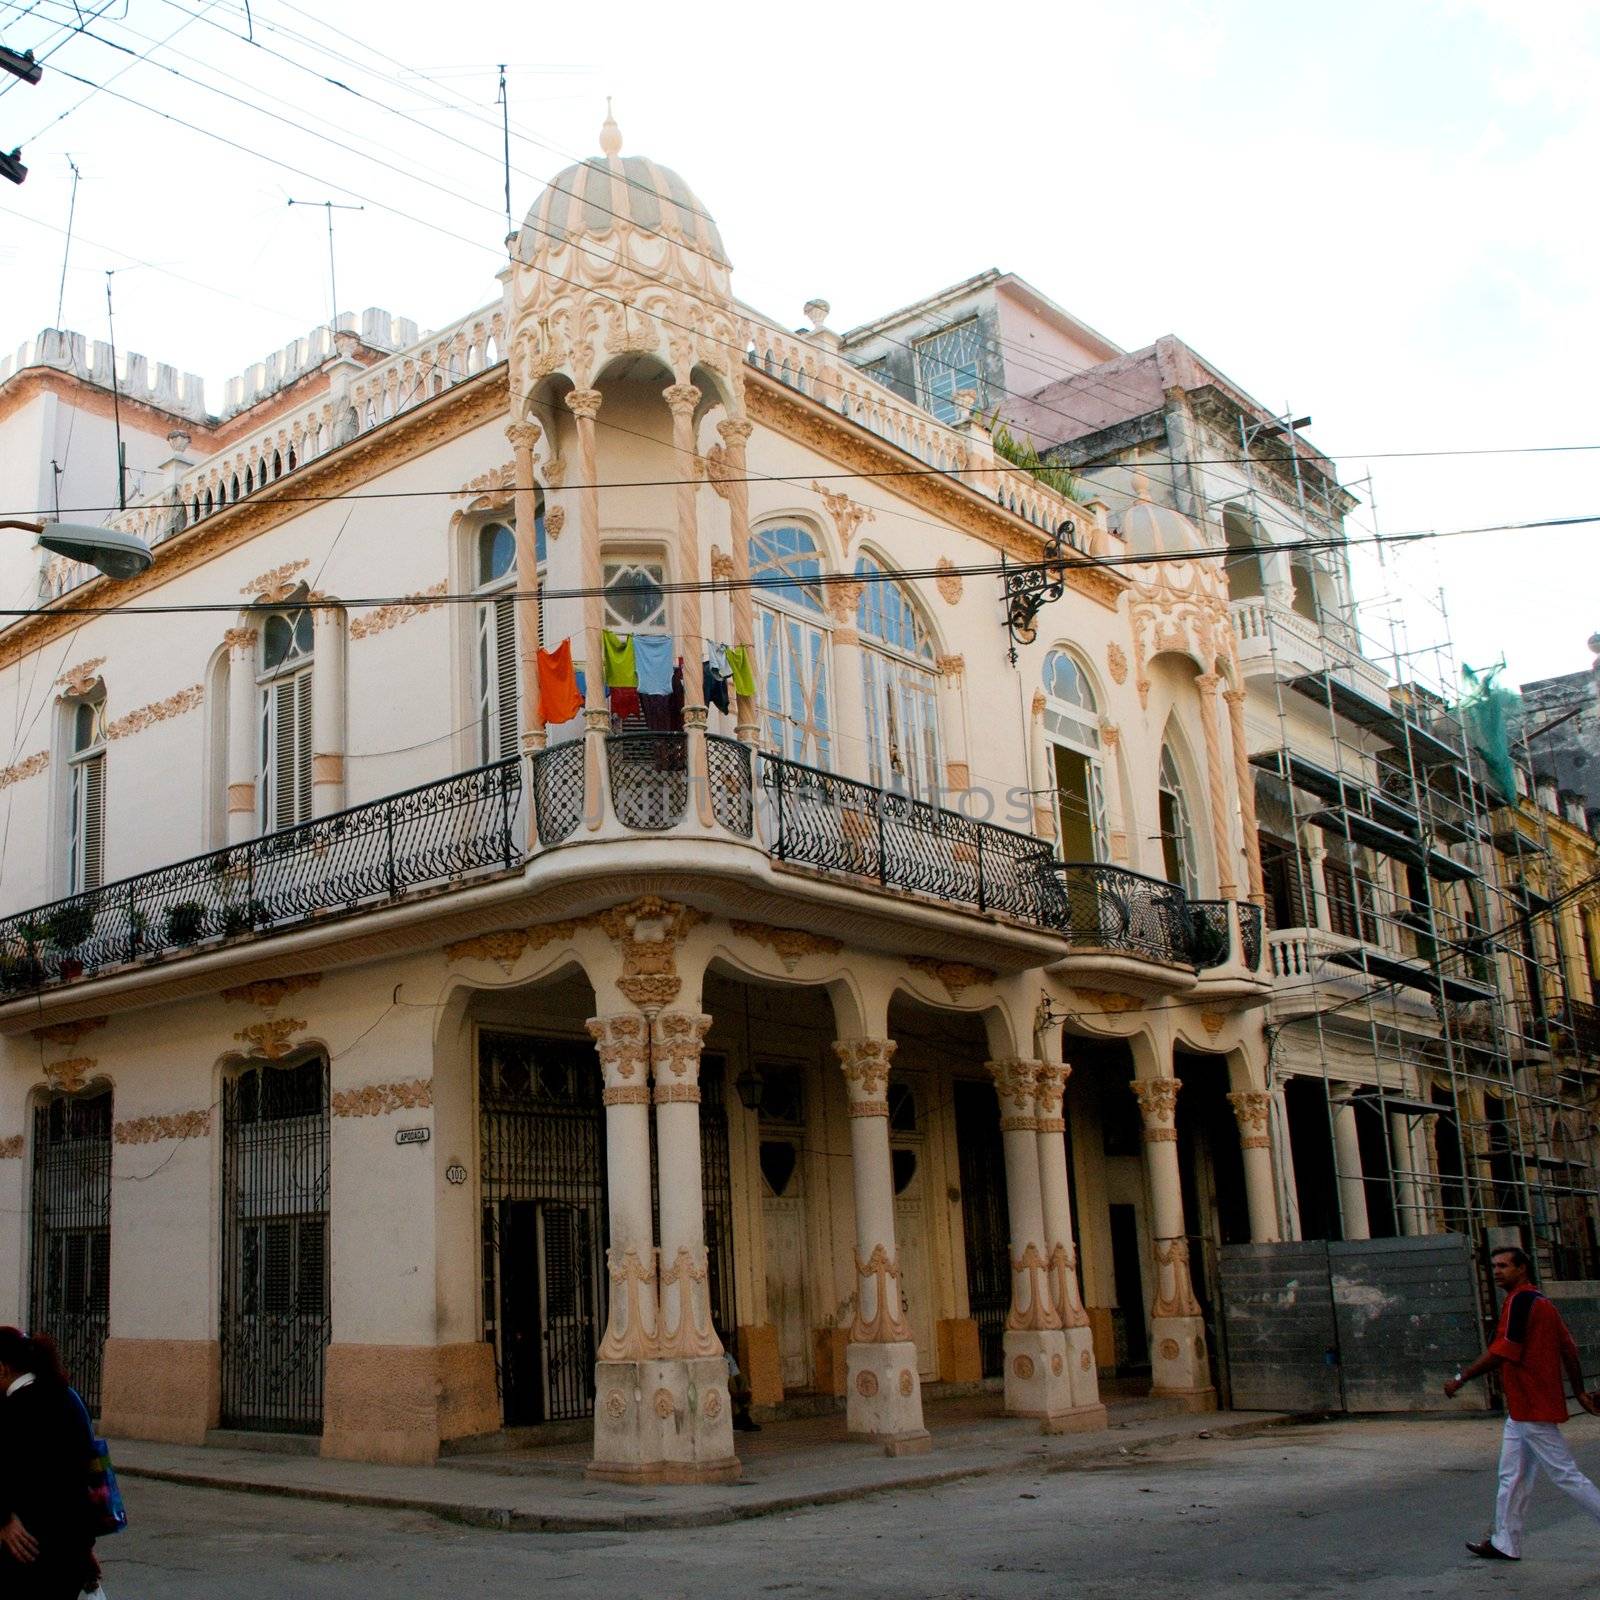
(403, 439)
(851, 446)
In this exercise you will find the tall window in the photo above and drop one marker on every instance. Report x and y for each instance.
(86, 797)
(495, 659)
(947, 363)
(897, 667)
(1177, 835)
(1072, 721)
(285, 710)
(635, 594)
(792, 645)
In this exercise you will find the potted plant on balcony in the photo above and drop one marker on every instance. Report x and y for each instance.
(185, 922)
(68, 927)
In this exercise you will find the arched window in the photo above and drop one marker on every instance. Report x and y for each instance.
(1177, 834)
(284, 682)
(901, 683)
(86, 793)
(1243, 563)
(1072, 723)
(792, 680)
(494, 576)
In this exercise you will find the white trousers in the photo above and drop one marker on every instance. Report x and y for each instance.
(1526, 1447)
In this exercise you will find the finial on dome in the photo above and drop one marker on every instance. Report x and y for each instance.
(610, 133)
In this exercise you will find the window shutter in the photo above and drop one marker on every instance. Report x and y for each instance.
(91, 821)
(302, 747)
(505, 667)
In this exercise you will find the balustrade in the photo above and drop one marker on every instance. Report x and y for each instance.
(369, 853)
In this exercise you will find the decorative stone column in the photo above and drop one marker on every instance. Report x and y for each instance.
(243, 734)
(1036, 1378)
(849, 681)
(328, 700)
(584, 404)
(524, 436)
(625, 1424)
(1315, 856)
(1216, 783)
(682, 398)
(1050, 1081)
(1347, 1164)
(883, 1393)
(689, 1387)
(1041, 779)
(1244, 782)
(736, 433)
(1177, 1328)
(1253, 1109)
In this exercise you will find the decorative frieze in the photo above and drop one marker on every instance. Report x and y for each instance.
(154, 1130)
(1110, 1001)
(947, 580)
(380, 1099)
(382, 618)
(79, 680)
(29, 768)
(175, 705)
(278, 584)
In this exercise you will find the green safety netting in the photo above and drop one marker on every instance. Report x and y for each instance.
(1487, 709)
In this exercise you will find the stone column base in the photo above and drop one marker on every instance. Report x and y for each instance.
(1082, 1368)
(665, 1421)
(960, 1354)
(395, 1403)
(166, 1389)
(883, 1396)
(1178, 1365)
(1037, 1381)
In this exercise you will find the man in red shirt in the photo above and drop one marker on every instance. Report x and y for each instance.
(1531, 1347)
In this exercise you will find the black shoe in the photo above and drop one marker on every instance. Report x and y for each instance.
(1490, 1551)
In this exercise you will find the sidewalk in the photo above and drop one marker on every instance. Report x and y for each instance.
(787, 1466)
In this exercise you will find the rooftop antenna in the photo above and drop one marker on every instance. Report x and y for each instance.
(504, 100)
(330, 206)
(72, 206)
(116, 402)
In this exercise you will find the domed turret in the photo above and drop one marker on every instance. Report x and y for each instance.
(594, 198)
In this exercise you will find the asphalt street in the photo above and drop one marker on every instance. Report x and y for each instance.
(1363, 1508)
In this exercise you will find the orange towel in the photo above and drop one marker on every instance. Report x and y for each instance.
(559, 697)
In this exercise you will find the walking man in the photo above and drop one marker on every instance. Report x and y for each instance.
(1531, 1347)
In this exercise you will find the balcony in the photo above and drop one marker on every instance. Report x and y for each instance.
(651, 785)
(430, 836)
(1277, 640)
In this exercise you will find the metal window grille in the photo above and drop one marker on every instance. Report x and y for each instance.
(275, 1284)
(70, 1295)
(985, 1224)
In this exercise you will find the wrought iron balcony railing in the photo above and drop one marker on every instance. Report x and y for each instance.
(1110, 908)
(367, 854)
(557, 777)
(649, 779)
(1252, 934)
(1210, 934)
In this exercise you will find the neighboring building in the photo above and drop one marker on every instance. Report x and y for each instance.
(346, 1045)
(1557, 731)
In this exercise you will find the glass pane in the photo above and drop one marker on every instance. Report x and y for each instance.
(276, 639)
(947, 363)
(778, 555)
(497, 552)
(634, 600)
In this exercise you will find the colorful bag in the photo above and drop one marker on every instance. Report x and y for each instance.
(107, 1514)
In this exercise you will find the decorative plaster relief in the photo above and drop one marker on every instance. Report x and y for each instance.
(495, 481)
(382, 618)
(379, 1099)
(68, 1076)
(11, 1149)
(32, 767)
(68, 1033)
(268, 992)
(555, 519)
(846, 514)
(271, 1040)
(948, 581)
(1158, 1104)
(956, 976)
(1117, 663)
(175, 705)
(275, 585)
(80, 679)
(152, 1130)
(790, 945)
(1110, 1001)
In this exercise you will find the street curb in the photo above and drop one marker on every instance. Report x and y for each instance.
(502, 1519)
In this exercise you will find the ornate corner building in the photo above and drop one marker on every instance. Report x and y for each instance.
(639, 897)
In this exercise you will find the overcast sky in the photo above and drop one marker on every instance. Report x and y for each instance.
(1379, 214)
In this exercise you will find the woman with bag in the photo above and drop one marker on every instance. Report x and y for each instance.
(46, 1537)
